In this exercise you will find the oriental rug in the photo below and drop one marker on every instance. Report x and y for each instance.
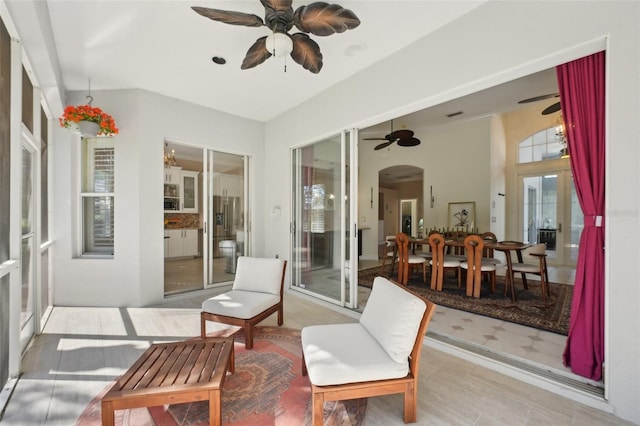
(528, 309)
(267, 388)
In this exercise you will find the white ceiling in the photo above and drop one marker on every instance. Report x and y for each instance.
(165, 47)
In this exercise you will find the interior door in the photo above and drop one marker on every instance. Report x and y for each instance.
(225, 228)
(550, 214)
(324, 226)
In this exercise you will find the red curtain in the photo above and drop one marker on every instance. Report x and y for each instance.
(582, 95)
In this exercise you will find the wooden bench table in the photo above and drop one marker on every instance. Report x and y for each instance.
(173, 373)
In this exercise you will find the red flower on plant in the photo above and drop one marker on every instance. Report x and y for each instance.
(75, 114)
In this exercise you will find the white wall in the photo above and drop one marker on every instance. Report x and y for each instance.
(495, 43)
(134, 277)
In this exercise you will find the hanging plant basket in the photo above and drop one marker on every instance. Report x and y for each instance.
(87, 129)
(89, 121)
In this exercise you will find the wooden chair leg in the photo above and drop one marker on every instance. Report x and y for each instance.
(317, 401)
(281, 315)
(203, 326)
(410, 404)
(248, 336)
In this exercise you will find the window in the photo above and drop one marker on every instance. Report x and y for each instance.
(315, 201)
(541, 146)
(97, 196)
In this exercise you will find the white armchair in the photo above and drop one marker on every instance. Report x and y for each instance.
(378, 355)
(255, 295)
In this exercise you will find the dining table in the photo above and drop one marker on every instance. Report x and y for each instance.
(506, 247)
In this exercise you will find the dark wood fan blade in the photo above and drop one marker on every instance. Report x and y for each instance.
(551, 109)
(306, 52)
(382, 145)
(538, 98)
(324, 19)
(229, 17)
(402, 134)
(256, 54)
(409, 142)
(277, 5)
(374, 139)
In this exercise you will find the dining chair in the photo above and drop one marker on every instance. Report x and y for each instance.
(539, 268)
(439, 262)
(476, 265)
(390, 252)
(488, 253)
(408, 261)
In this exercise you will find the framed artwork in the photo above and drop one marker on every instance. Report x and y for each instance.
(462, 215)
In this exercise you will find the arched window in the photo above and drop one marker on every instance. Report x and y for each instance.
(544, 145)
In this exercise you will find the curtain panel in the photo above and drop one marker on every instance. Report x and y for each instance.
(582, 96)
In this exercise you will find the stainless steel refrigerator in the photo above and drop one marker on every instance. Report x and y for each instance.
(227, 213)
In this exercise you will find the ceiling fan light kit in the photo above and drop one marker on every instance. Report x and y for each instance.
(279, 44)
(319, 18)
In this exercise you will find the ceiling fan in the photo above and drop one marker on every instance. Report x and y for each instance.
(319, 18)
(555, 107)
(403, 137)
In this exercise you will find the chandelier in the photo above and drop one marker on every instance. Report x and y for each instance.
(169, 156)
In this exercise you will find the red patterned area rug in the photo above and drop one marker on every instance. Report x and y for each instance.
(528, 309)
(267, 388)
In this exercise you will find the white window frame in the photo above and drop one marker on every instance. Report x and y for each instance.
(88, 244)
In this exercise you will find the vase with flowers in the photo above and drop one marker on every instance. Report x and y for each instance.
(76, 116)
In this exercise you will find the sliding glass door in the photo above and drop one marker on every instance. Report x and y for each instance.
(226, 230)
(324, 228)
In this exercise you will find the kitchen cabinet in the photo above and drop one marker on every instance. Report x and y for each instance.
(189, 192)
(228, 185)
(180, 243)
(180, 190)
(172, 180)
(172, 175)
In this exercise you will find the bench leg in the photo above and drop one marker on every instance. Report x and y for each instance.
(203, 326)
(215, 417)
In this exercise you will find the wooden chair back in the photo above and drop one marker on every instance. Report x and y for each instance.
(488, 236)
(436, 242)
(402, 242)
(474, 246)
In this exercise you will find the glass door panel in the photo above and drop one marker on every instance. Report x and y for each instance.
(226, 215)
(323, 231)
(551, 214)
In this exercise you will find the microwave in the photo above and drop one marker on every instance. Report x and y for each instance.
(172, 204)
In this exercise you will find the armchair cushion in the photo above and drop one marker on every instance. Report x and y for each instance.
(239, 303)
(258, 274)
(348, 354)
(392, 316)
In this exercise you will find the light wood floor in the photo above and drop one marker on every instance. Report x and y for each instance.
(83, 349)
